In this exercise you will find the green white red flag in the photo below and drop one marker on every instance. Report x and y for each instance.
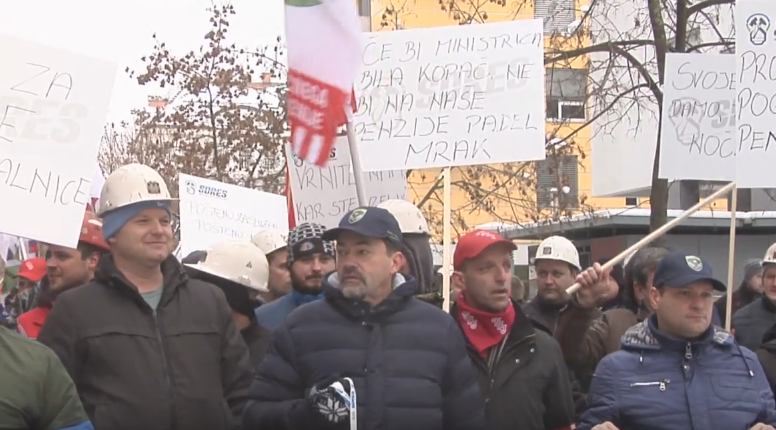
(324, 56)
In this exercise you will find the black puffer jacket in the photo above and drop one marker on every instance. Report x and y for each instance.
(407, 360)
(752, 321)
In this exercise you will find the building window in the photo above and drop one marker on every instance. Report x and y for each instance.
(566, 94)
(557, 183)
(631, 201)
(557, 15)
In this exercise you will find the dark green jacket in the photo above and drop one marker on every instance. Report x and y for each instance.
(36, 393)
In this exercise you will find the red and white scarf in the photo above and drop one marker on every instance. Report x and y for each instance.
(484, 329)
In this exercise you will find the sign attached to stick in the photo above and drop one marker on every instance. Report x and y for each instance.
(698, 138)
(452, 96)
(756, 87)
(213, 212)
(53, 106)
(324, 194)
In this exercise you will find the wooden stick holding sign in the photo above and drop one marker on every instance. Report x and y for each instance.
(731, 257)
(355, 158)
(447, 241)
(662, 230)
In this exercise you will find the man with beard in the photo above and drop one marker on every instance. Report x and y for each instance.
(309, 259)
(67, 268)
(557, 265)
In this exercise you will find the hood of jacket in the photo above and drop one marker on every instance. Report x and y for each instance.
(646, 335)
(404, 287)
(421, 260)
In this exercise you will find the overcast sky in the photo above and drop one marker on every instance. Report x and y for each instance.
(121, 30)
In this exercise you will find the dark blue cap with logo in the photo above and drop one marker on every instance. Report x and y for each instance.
(373, 222)
(677, 270)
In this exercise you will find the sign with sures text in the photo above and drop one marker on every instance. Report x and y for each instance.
(53, 106)
(213, 212)
(325, 194)
(451, 96)
(756, 93)
(698, 139)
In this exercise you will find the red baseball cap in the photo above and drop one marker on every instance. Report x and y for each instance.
(473, 243)
(33, 269)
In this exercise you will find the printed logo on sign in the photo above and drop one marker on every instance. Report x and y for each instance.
(218, 193)
(191, 188)
(758, 26)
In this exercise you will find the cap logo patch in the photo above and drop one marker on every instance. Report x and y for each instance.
(249, 265)
(694, 263)
(487, 234)
(153, 187)
(356, 215)
(29, 265)
(306, 246)
(546, 250)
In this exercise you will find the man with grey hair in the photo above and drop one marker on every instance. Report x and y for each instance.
(369, 355)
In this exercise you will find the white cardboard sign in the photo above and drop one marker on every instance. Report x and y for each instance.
(697, 137)
(451, 96)
(212, 212)
(53, 106)
(324, 195)
(756, 93)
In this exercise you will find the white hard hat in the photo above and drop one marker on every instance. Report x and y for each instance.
(132, 183)
(410, 218)
(770, 255)
(558, 248)
(238, 261)
(270, 240)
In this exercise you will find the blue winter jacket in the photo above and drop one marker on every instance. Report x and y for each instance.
(656, 382)
(273, 314)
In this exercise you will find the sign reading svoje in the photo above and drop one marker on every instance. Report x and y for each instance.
(212, 212)
(452, 96)
(53, 106)
(697, 137)
(324, 194)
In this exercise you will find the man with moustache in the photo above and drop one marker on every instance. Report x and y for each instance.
(370, 355)
(309, 259)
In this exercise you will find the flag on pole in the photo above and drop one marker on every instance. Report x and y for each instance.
(324, 55)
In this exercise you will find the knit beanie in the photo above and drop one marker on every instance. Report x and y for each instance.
(751, 268)
(114, 220)
(306, 240)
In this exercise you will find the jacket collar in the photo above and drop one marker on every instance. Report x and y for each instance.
(173, 274)
(646, 335)
(404, 288)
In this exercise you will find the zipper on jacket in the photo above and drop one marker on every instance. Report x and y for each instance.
(688, 351)
(661, 385)
(166, 368)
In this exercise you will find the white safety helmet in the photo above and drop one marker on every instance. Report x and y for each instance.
(270, 240)
(410, 218)
(132, 183)
(238, 261)
(560, 249)
(770, 255)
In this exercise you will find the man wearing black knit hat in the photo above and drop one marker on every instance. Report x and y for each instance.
(309, 259)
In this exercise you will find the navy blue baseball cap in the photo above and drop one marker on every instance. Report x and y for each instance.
(373, 222)
(677, 270)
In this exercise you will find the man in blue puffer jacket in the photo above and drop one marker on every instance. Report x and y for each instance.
(676, 371)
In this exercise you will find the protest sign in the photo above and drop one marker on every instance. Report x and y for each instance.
(324, 194)
(53, 106)
(756, 88)
(451, 96)
(213, 212)
(698, 134)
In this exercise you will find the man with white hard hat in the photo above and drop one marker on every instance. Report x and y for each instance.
(241, 271)
(557, 265)
(417, 240)
(273, 244)
(148, 347)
